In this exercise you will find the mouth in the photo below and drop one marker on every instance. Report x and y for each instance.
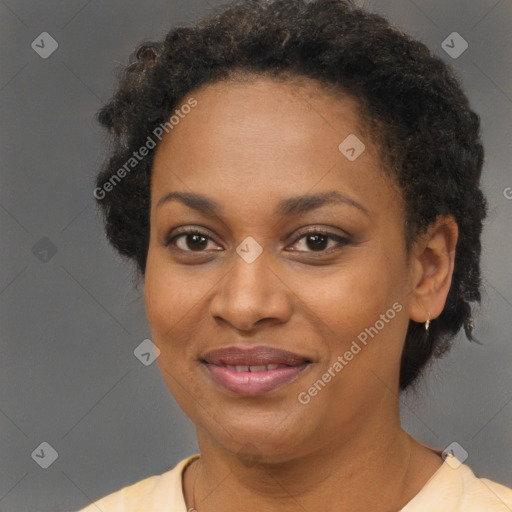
(253, 371)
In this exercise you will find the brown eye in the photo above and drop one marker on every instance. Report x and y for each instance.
(318, 241)
(195, 242)
(189, 241)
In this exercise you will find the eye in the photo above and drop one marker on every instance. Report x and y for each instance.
(318, 241)
(315, 240)
(190, 240)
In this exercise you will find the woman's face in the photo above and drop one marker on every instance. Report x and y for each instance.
(318, 288)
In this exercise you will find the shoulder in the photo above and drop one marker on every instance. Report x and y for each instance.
(455, 488)
(158, 493)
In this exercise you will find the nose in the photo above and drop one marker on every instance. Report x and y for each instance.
(250, 294)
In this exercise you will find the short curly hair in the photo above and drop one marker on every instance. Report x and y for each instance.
(410, 101)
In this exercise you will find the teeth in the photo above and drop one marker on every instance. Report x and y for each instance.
(259, 368)
(253, 368)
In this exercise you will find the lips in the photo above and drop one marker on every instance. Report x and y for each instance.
(253, 356)
(252, 371)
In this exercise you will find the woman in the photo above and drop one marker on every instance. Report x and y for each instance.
(298, 184)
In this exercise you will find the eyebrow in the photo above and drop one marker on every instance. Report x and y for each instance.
(292, 206)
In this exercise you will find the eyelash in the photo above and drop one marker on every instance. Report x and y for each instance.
(342, 241)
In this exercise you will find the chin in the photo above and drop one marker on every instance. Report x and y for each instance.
(264, 436)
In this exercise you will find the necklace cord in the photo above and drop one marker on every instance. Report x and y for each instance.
(193, 507)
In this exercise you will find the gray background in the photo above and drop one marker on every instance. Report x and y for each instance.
(70, 321)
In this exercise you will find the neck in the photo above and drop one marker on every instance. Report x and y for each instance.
(371, 469)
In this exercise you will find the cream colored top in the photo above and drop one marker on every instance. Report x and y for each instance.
(448, 490)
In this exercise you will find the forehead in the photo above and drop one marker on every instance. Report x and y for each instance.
(268, 134)
(263, 106)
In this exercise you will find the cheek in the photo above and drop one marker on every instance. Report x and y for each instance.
(347, 299)
(170, 302)
(171, 314)
(359, 311)
(170, 294)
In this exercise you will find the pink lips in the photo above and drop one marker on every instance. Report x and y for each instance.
(255, 370)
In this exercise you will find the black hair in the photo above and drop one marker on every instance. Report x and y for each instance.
(410, 100)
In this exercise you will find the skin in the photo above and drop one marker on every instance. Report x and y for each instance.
(248, 145)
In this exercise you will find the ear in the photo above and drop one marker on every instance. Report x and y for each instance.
(433, 263)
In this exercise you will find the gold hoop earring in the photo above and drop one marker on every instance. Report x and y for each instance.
(427, 323)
